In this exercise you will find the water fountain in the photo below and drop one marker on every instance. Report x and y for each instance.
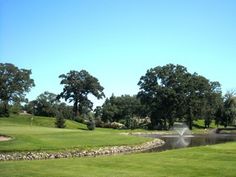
(182, 129)
(183, 137)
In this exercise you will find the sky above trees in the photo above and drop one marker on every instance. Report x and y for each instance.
(117, 41)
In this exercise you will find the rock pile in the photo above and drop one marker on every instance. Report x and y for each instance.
(77, 153)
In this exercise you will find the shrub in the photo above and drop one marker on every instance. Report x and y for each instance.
(80, 119)
(117, 125)
(91, 125)
(60, 121)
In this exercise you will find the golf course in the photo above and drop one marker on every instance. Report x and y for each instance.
(40, 135)
(117, 88)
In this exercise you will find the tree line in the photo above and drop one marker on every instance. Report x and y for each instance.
(166, 94)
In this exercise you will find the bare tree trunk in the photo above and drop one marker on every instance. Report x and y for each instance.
(76, 108)
(190, 119)
(5, 109)
(165, 124)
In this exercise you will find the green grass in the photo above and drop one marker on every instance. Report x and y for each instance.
(42, 136)
(28, 120)
(199, 125)
(212, 161)
(216, 161)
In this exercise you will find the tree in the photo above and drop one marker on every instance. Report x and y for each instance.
(109, 110)
(122, 109)
(15, 108)
(229, 110)
(77, 87)
(212, 104)
(172, 93)
(66, 110)
(46, 104)
(219, 115)
(162, 90)
(14, 83)
(98, 112)
(202, 99)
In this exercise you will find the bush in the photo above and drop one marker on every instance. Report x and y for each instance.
(114, 125)
(91, 125)
(117, 125)
(80, 119)
(135, 122)
(60, 121)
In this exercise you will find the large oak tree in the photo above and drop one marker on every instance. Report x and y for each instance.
(77, 86)
(171, 92)
(14, 83)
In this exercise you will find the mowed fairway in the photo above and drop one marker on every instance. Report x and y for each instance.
(214, 161)
(47, 138)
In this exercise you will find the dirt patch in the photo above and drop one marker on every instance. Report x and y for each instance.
(4, 138)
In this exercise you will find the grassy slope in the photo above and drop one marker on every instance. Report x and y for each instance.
(216, 161)
(27, 120)
(42, 135)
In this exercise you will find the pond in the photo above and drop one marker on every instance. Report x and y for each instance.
(176, 141)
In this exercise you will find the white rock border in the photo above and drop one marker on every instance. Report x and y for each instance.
(78, 153)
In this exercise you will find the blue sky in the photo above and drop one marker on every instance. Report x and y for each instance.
(118, 40)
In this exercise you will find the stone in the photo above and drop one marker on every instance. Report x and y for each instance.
(77, 153)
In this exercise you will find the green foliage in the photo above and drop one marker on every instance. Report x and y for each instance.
(91, 125)
(124, 107)
(14, 83)
(90, 121)
(98, 112)
(226, 112)
(4, 109)
(47, 104)
(229, 110)
(15, 108)
(77, 87)
(60, 121)
(66, 110)
(171, 92)
(80, 119)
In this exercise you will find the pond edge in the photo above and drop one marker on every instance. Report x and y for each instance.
(112, 150)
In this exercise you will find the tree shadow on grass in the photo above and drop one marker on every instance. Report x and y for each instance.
(83, 129)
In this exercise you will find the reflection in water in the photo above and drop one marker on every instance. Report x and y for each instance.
(180, 142)
(175, 141)
(183, 137)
